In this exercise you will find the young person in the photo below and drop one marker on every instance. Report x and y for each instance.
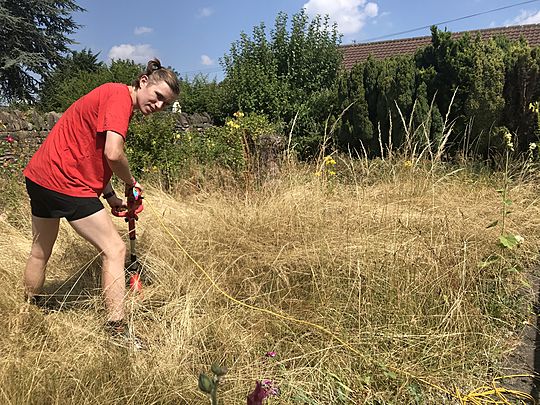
(74, 166)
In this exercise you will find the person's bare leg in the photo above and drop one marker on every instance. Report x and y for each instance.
(99, 230)
(44, 233)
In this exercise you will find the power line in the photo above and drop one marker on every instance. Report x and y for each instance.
(449, 21)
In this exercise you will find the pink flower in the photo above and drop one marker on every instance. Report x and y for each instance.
(271, 354)
(10, 139)
(263, 389)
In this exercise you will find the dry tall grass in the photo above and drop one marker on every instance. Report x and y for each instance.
(387, 257)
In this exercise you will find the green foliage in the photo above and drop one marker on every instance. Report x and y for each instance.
(210, 385)
(233, 145)
(216, 146)
(472, 69)
(478, 85)
(356, 130)
(394, 88)
(310, 130)
(202, 95)
(123, 71)
(156, 147)
(383, 100)
(73, 81)
(34, 38)
(51, 96)
(289, 72)
(152, 145)
(522, 87)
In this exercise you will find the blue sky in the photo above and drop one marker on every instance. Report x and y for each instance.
(191, 36)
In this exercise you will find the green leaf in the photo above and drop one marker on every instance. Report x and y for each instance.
(509, 241)
(416, 392)
(205, 383)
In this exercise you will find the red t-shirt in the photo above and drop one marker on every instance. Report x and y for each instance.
(70, 160)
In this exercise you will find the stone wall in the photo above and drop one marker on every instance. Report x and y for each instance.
(21, 132)
(198, 122)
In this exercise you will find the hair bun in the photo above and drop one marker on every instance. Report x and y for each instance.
(153, 65)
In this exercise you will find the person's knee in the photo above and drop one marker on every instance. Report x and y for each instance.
(116, 250)
(40, 254)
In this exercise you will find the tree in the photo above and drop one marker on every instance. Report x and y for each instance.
(290, 73)
(522, 87)
(72, 65)
(200, 95)
(81, 81)
(355, 130)
(34, 39)
(474, 69)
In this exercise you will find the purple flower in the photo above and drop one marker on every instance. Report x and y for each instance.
(10, 139)
(263, 389)
(271, 389)
(271, 354)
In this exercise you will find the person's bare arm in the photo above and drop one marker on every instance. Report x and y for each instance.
(116, 157)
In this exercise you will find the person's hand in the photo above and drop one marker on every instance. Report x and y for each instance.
(134, 184)
(116, 203)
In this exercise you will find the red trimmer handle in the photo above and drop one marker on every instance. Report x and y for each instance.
(126, 212)
(134, 205)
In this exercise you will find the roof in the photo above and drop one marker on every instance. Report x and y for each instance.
(355, 53)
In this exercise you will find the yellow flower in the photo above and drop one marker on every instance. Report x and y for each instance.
(238, 114)
(232, 124)
(328, 160)
(407, 164)
(331, 172)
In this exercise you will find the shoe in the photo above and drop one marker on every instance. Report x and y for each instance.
(122, 336)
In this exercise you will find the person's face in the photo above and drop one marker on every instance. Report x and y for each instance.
(152, 97)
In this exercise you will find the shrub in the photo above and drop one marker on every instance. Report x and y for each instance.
(154, 145)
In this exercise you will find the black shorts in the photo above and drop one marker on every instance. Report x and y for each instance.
(46, 203)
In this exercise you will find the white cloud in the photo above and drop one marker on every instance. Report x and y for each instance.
(349, 15)
(140, 53)
(525, 17)
(206, 60)
(206, 12)
(142, 30)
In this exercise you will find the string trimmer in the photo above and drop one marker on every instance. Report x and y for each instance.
(130, 214)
